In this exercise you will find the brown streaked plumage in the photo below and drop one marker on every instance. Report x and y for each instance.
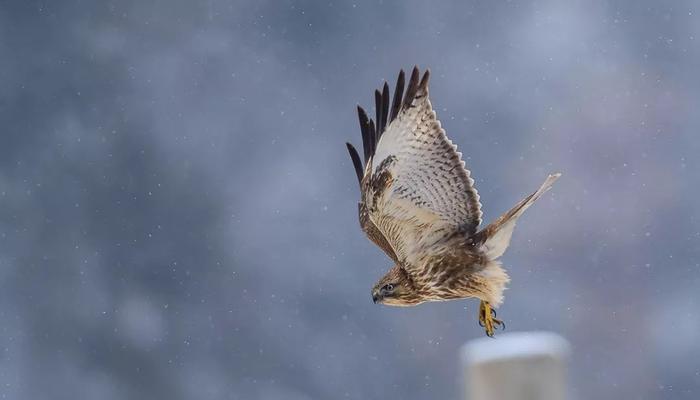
(420, 206)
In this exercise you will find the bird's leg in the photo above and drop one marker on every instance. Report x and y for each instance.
(488, 320)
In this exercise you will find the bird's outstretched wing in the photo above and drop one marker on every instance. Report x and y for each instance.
(415, 188)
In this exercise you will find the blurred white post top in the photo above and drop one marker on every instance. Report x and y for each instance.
(517, 365)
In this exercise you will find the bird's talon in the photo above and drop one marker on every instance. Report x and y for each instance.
(498, 324)
(488, 320)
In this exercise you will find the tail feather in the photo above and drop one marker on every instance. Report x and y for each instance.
(495, 238)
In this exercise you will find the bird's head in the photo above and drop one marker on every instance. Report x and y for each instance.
(395, 289)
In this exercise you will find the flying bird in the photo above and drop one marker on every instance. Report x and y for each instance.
(419, 205)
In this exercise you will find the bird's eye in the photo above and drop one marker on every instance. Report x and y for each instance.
(389, 287)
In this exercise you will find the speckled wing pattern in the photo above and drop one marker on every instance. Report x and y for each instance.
(415, 187)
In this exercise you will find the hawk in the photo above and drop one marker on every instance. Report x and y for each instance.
(419, 205)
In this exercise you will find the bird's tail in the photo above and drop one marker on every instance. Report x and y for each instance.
(494, 239)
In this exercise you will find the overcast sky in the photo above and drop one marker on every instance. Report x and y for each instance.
(178, 211)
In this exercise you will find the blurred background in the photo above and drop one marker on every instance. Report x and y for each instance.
(178, 211)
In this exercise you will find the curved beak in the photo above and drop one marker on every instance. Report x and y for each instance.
(375, 298)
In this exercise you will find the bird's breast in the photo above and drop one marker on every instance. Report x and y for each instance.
(446, 276)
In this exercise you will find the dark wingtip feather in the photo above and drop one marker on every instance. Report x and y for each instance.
(378, 115)
(398, 94)
(355, 161)
(364, 128)
(412, 88)
(385, 111)
(373, 136)
(424, 81)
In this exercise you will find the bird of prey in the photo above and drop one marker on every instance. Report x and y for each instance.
(418, 204)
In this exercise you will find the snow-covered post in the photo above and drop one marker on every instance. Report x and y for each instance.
(518, 365)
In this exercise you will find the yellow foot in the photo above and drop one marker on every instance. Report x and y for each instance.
(487, 319)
